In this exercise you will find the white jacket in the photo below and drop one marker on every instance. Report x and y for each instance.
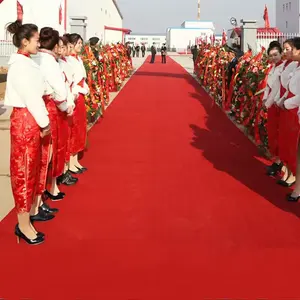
(273, 84)
(25, 88)
(79, 74)
(285, 78)
(294, 87)
(68, 74)
(55, 81)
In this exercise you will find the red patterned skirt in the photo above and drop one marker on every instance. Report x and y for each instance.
(289, 137)
(79, 127)
(24, 158)
(274, 113)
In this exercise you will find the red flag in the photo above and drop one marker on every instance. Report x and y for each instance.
(266, 17)
(19, 11)
(224, 37)
(60, 15)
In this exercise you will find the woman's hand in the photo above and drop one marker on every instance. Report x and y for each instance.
(45, 131)
(70, 111)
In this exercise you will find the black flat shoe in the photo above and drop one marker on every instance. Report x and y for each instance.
(58, 197)
(41, 217)
(38, 240)
(47, 209)
(274, 169)
(290, 198)
(285, 184)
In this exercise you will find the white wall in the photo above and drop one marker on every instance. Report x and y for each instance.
(180, 38)
(40, 12)
(100, 13)
(8, 13)
(148, 40)
(287, 15)
(198, 24)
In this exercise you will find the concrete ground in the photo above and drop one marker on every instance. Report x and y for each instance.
(6, 199)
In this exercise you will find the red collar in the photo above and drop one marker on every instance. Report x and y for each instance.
(74, 55)
(23, 53)
(63, 58)
(279, 63)
(49, 52)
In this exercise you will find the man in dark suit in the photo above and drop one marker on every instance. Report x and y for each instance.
(137, 50)
(143, 49)
(153, 53)
(163, 52)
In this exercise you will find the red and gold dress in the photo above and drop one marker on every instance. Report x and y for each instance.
(54, 147)
(24, 91)
(289, 126)
(79, 122)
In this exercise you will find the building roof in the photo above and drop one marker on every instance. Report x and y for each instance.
(118, 8)
(149, 34)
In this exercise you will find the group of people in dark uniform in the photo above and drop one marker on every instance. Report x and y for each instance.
(135, 52)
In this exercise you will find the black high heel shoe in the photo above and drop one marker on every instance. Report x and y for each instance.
(38, 234)
(290, 198)
(41, 216)
(20, 235)
(47, 209)
(82, 170)
(67, 179)
(58, 197)
(284, 182)
(274, 169)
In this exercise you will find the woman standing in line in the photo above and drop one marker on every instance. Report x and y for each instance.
(272, 89)
(290, 150)
(64, 50)
(289, 67)
(55, 98)
(29, 122)
(79, 90)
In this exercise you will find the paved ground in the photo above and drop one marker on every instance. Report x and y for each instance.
(7, 202)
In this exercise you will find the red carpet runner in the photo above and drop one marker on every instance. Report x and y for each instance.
(175, 206)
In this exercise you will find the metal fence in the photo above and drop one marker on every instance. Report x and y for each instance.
(6, 48)
(264, 39)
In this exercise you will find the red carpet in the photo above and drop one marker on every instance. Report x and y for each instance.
(175, 206)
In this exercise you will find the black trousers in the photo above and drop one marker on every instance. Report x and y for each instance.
(152, 58)
(143, 53)
(163, 59)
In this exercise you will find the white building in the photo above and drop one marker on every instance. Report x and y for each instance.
(147, 39)
(287, 16)
(100, 18)
(180, 38)
(103, 19)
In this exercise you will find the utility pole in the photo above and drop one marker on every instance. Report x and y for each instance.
(198, 15)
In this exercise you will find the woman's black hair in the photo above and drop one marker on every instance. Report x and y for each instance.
(296, 43)
(74, 38)
(290, 42)
(274, 45)
(64, 40)
(49, 38)
(21, 32)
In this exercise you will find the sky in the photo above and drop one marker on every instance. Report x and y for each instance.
(155, 16)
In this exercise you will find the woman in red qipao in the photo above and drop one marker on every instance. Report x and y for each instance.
(271, 91)
(55, 97)
(289, 67)
(29, 122)
(64, 49)
(79, 90)
(290, 150)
